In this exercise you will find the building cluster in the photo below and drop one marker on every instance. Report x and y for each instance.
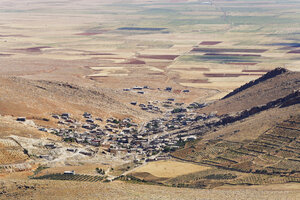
(123, 136)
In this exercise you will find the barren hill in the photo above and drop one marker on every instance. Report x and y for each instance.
(38, 99)
(274, 85)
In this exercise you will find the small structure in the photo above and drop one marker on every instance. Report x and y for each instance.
(69, 172)
(50, 146)
(55, 116)
(21, 119)
(133, 103)
(137, 88)
(87, 115)
(90, 121)
(43, 129)
(65, 115)
(169, 89)
(186, 91)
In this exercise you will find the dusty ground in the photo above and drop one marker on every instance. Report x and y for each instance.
(119, 190)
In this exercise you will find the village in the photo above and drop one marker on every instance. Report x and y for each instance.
(123, 137)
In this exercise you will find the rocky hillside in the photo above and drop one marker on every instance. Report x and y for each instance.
(274, 85)
(39, 99)
(258, 136)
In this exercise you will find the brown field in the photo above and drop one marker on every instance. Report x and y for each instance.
(241, 63)
(11, 35)
(156, 74)
(210, 43)
(295, 51)
(193, 81)
(255, 70)
(193, 69)
(159, 57)
(88, 34)
(5, 54)
(134, 62)
(33, 49)
(223, 54)
(169, 169)
(98, 54)
(228, 50)
(228, 75)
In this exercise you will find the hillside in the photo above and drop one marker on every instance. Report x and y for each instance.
(276, 84)
(39, 99)
(255, 142)
(257, 145)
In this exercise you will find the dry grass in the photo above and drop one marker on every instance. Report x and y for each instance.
(40, 189)
(169, 169)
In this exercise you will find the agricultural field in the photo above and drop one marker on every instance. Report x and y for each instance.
(166, 169)
(68, 177)
(10, 153)
(185, 44)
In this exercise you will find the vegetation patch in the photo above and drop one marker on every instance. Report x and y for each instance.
(70, 177)
(159, 57)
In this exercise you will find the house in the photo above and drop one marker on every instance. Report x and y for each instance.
(43, 129)
(90, 121)
(86, 126)
(95, 143)
(133, 103)
(169, 89)
(69, 172)
(50, 146)
(55, 116)
(87, 115)
(189, 138)
(66, 115)
(137, 88)
(47, 157)
(86, 153)
(72, 150)
(21, 119)
(70, 121)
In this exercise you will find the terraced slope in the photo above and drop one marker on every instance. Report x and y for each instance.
(272, 157)
(11, 152)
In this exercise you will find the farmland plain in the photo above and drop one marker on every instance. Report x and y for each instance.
(186, 44)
